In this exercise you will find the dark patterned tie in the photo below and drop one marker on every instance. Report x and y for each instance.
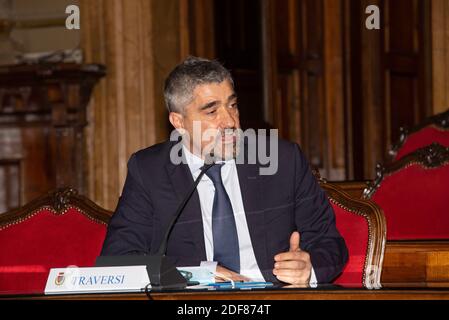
(224, 231)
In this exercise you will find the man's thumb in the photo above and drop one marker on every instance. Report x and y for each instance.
(294, 241)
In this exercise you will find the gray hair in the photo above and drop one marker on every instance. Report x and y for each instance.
(183, 79)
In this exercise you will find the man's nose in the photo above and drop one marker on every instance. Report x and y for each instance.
(226, 118)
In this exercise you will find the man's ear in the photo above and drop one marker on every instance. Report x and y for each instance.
(177, 121)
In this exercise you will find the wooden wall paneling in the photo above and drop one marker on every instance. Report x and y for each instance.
(301, 68)
(294, 103)
(322, 110)
(425, 61)
(161, 53)
(372, 94)
(272, 99)
(289, 62)
(197, 32)
(336, 148)
(406, 53)
(287, 68)
(364, 90)
(347, 68)
(388, 76)
(307, 76)
(352, 40)
(139, 43)
(99, 154)
(37, 147)
(238, 45)
(287, 104)
(440, 55)
(312, 83)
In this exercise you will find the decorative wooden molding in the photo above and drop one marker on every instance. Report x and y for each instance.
(352, 187)
(376, 227)
(43, 115)
(439, 121)
(429, 157)
(58, 202)
(46, 91)
(316, 173)
(411, 261)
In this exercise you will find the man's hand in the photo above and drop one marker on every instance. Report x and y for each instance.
(294, 266)
(224, 274)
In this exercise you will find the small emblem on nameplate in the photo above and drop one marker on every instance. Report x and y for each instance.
(60, 279)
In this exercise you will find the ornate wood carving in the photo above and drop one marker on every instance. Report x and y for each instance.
(352, 187)
(431, 156)
(439, 121)
(376, 226)
(42, 120)
(58, 202)
(61, 198)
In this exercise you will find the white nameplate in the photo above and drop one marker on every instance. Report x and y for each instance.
(97, 280)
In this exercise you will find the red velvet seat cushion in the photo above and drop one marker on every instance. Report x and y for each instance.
(354, 229)
(45, 240)
(422, 138)
(415, 201)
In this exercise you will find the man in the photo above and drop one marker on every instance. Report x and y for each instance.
(277, 227)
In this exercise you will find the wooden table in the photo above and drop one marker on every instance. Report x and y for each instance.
(420, 291)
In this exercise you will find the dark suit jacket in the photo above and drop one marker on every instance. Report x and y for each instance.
(275, 206)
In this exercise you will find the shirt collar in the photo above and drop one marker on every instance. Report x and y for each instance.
(195, 163)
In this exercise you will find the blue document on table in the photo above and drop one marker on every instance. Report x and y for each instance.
(240, 285)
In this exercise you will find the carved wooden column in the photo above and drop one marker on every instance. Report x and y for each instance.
(42, 120)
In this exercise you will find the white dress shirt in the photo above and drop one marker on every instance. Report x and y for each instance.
(206, 191)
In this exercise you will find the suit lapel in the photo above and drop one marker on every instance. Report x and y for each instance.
(251, 189)
(182, 180)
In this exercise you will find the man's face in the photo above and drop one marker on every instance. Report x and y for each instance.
(211, 120)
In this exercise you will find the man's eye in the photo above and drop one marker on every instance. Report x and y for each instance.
(234, 105)
(211, 112)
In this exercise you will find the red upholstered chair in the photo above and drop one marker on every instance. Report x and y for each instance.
(414, 194)
(362, 225)
(55, 230)
(433, 130)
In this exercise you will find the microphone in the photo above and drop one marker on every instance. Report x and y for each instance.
(161, 271)
(209, 162)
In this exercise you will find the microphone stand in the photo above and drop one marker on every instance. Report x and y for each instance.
(161, 271)
(163, 246)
